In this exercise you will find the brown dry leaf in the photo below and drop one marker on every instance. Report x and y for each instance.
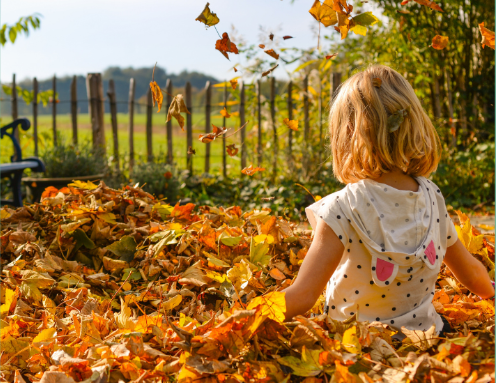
(224, 113)
(225, 46)
(272, 53)
(291, 124)
(250, 170)
(191, 150)
(440, 42)
(235, 70)
(176, 108)
(209, 137)
(487, 36)
(232, 150)
(377, 82)
(287, 37)
(261, 46)
(271, 37)
(429, 4)
(157, 95)
(267, 72)
(331, 56)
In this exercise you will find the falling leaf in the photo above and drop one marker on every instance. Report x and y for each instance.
(429, 4)
(271, 36)
(235, 70)
(224, 113)
(377, 82)
(395, 120)
(234, 83)
(176, 108)
(232, 150)
(250, 170)
(168, 175)
(440, 42)
(403, 11)
(157, 95)
(324, 12)
(209, 137)
(331, 56)
(272, 53)
(287, 37)
(191, 150)
(207, 17)
(269, 71)
(262, 46)
(487, 36)
(291, 124)
(225, 45)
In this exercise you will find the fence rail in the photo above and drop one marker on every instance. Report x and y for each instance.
(96, 108)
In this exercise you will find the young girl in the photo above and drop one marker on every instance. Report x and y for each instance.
(379, 242)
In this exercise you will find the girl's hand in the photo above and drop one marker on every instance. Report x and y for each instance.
(468, 270)
(321, 261)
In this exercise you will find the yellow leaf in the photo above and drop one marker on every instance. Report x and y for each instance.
(177, 107)
(240, 274)
(4, 214)
(157, 95)
(324, 12)
(173, 302)
(273, 305)
(350, 341)
(224, 113)
(107, 217)
(207, 17)
(45, 335)
(264, 238)
(359, 30)
(10, 301)
(291, 124)
(84, 185)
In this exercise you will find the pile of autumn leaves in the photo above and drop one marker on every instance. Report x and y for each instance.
(103, 285)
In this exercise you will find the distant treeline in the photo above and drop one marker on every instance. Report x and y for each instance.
(121, 77)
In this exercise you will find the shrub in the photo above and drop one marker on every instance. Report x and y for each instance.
(157, 178)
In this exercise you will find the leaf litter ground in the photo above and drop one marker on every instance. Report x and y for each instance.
(103, 285)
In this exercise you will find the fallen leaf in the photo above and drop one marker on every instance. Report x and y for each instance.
(273, 305)
(395, 120)
(207, 17)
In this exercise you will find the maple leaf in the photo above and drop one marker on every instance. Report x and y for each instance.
(440, 42)
(207, 17)
(209, 137)
(234, 83)
(225, 45)
(272, 53)
(291, 124)
(232, 150)
(324, 13)
(250, 170)
(224, 113)
(267, 72)
(272, 305)
(176, 108)
(487, 36)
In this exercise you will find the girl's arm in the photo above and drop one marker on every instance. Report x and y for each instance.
(322, 259)
(468, 270)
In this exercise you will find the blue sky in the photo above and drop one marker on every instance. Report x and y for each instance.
(81, 36)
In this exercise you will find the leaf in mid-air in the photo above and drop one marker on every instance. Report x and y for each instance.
(250, 170)
(272, 53)
(487, 36)
(267, 72)
(177, 107)
(291, 124)
(232, 150)
(287, 37)
(440, 42)
(157, 95)
(234, 82)
(324, 13)
(331, 56)
(209, 137)
(225, 45)
(124, 248)
(430, 4)
(225, 113)
(207, 17)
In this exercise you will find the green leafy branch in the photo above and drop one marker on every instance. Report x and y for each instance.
(23, 25)
(28, 95)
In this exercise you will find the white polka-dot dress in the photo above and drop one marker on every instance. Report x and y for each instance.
(395, 242)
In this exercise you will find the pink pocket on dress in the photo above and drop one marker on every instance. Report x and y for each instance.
(431, 252)
(384, 269)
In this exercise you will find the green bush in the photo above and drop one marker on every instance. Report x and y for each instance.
(157, 178)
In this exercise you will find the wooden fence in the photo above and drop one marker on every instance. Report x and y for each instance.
(97, 100)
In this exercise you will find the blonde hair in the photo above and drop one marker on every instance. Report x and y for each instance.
(362, 145)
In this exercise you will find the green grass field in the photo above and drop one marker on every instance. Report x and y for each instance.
(64, 127)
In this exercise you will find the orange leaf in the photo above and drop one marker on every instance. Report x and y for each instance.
(277, 274)
(429, 4)
(331, 56)
(235, 69)
(377, 82)
(440, 42)
(272, 53)
(291, 124)
(262, 46)
(225, 45)
(270, 70)
(287, 37)
(487, 36)
(224, 113)
(234, 83)
(271, 37)
(209, 137)
(250, 170)
(232, 150)
(157, 95)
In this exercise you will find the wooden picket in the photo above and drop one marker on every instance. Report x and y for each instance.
(113, 120)
(74, 110)
(170, 154)
(208, 106)
(189, 128)
(35, 116)
(149, 124)
(54, 110)
(132, 90)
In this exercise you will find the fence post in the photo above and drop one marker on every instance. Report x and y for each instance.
(35, 116)
(14, 106)
(113, 119)
(305, 109)
(274, 130)
(54, 110)
(241, 123)
(259, 107)
(149, 110)
(132, 89)
(189, 128)
(94, 88)
(290, 116)
(170, 156)
(208, 100)
(74, 110)
(224, 154)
